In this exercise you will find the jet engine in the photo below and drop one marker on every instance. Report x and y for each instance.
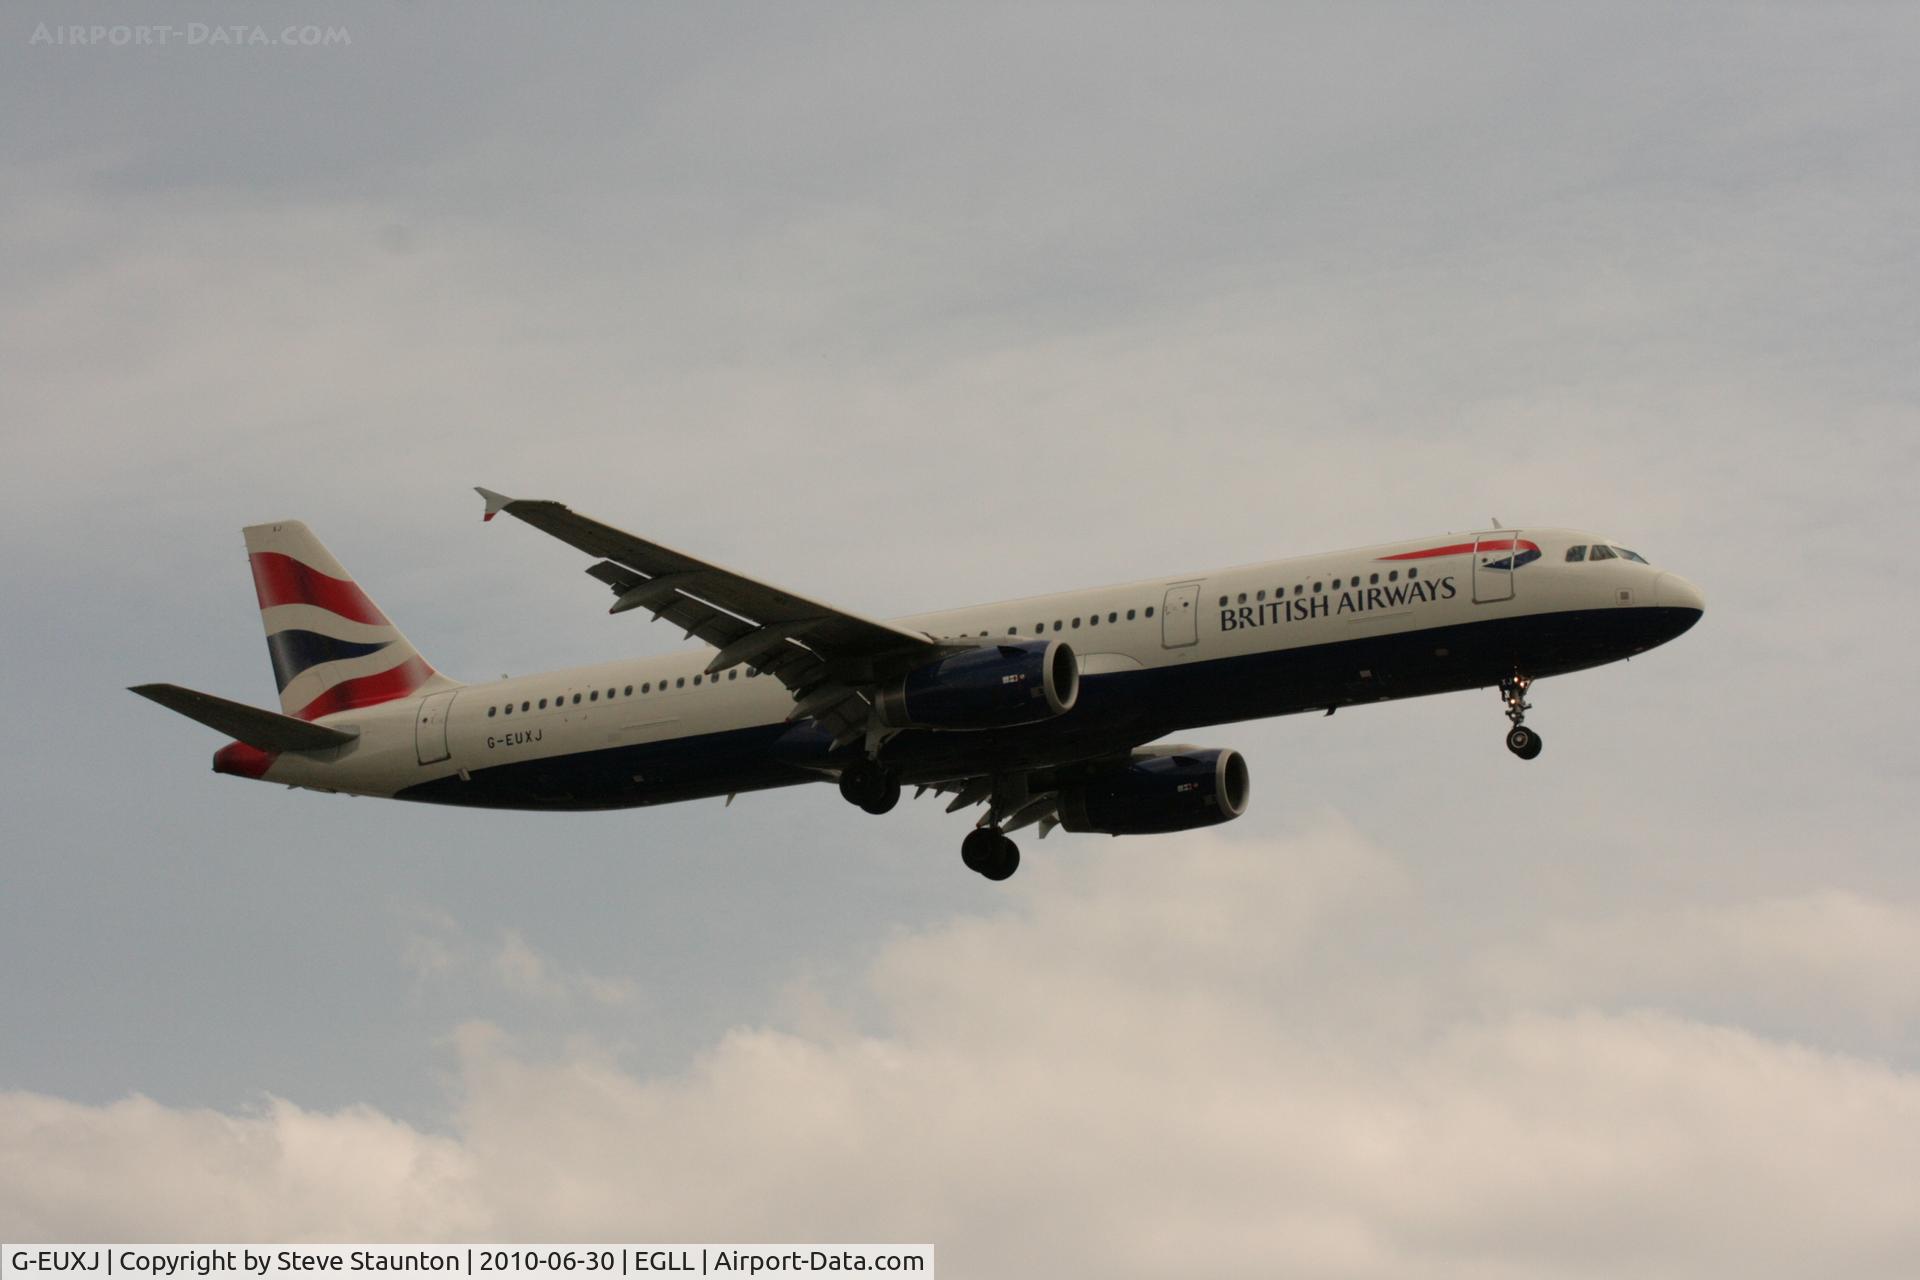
(1169, 789)
(994, 686)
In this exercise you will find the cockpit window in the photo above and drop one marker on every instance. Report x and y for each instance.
(1634, 556)
(1577, 554)
(1601, 552)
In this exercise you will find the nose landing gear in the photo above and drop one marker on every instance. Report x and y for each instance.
(1522, 741)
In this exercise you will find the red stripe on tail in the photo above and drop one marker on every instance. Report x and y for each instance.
(280, 579)
(366, 691)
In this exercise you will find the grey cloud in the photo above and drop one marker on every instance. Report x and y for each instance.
(1328, 1116)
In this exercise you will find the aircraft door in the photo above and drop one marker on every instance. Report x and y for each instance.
(430, 728)
(1180, 616)
(1494, 554)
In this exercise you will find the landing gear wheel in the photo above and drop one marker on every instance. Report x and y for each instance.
(1006, 861)
(871, 787)
(884, 797)
(1523, 742)
(977, 850)
(989, 853)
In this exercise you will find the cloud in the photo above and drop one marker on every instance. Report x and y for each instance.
(530, 973)
(135, 1169)
(1217, 1055)
(439, 951)
(1829, 959)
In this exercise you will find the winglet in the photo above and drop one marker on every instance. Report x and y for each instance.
(496, 502)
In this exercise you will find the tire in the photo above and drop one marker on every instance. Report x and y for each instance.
(1522, 741)
(1004, 862)
(856, 783)
(978, 849)
(881, 799)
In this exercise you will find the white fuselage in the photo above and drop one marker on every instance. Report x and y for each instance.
(1167, 652)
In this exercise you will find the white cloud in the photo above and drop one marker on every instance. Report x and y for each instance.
(1828, 955)
(439, 951)
(528, 972)
(135, 1169)
(1216, 1055)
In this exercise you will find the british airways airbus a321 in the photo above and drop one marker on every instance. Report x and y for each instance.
(1042, 709)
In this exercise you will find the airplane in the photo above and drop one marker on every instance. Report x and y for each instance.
(1048, 710)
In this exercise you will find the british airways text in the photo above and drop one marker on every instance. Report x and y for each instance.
(1396, 595)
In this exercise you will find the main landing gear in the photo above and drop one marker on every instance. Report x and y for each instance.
(874, 788)
(991, 854)
(1521, 740)
(870, 786)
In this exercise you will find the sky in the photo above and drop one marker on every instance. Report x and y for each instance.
(908, 307)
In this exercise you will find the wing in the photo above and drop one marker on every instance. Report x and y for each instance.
(830, 660)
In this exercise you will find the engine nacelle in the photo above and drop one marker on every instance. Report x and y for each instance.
(1174, 789)
(995, 686)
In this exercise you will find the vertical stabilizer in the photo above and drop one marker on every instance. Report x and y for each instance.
(332, 647)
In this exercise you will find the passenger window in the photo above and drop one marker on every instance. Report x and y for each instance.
(1093, 619)
(681, 683)
(696, 682)
(576, 699)
(1576, 554)
(490, 711)
(1299, 588)
(1394, 576)
(594, 698)
(525, 705)
(1412, 574)
(1013, 631)
(1318, 587)
(1149, 611)
(1243, 597)
(1056, 624)
(543, 704)
(628, 693)
(734, 674)
(1600, 552)
(647, 687)
(1223, 602)
(1129, 615)
(1373, 579)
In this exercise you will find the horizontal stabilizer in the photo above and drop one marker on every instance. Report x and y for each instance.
(268, 730)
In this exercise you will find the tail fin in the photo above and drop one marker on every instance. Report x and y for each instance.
(332, 648)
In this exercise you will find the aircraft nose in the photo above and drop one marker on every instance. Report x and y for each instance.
(1671, 591)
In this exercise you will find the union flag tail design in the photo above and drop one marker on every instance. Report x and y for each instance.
(332, 648)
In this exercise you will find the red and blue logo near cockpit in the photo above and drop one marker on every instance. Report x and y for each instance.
(1510, 552)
